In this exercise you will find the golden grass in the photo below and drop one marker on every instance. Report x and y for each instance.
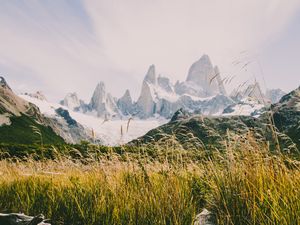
(245, 185)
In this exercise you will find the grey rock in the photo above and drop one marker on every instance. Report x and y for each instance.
(21, 219)
(204, 218)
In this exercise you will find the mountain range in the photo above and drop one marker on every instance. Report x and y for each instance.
(202, 91)
(112, 121)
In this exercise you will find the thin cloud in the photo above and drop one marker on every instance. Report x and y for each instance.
(72, 45)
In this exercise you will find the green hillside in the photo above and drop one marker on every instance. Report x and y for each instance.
(24, 130)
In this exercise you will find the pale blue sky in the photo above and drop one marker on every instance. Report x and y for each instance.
(60, 46)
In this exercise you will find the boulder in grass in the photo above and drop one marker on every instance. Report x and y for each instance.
(204, 218)
(21, 219)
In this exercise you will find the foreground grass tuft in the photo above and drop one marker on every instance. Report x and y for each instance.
(244, 185)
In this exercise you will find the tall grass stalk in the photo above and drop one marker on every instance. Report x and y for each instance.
(246, 184)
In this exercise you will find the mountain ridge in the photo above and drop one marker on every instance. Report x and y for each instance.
(279, 125)
(202, 91)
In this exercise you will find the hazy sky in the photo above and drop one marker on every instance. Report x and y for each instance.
(61, 46)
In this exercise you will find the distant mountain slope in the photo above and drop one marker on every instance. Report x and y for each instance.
(212, 132)
(60, 120)
(105, 131)
(21, 122)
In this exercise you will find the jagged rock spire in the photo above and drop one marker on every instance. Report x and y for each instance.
(125, 103)
(151, 75)
(99, 95)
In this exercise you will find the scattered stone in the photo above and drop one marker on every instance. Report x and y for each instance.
(204, 218)
(21, 219)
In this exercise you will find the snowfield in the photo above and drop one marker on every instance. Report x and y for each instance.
(111, 132)
(246, 107)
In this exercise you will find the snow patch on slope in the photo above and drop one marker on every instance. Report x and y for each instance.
(159, 93)
(109, 131)
(246, 107)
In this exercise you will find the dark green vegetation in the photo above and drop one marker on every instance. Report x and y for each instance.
(25, 130)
